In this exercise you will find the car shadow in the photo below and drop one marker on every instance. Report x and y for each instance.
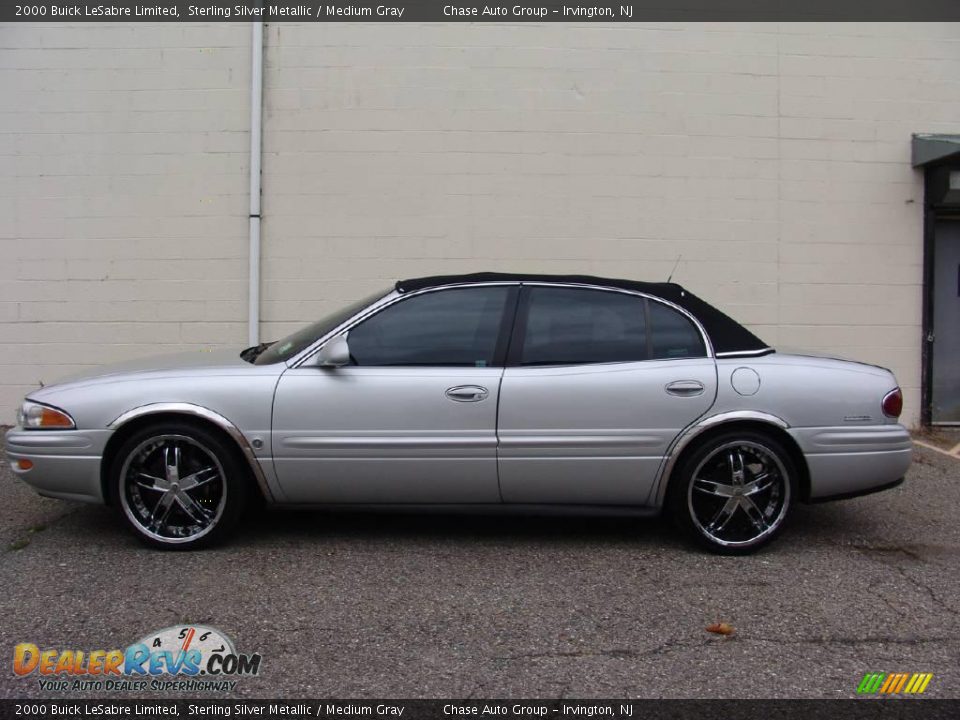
(828, 524)
(297, 524)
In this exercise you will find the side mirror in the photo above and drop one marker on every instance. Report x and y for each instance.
(336, 353)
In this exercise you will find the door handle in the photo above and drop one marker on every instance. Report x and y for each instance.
(685, 388)
(467, 393)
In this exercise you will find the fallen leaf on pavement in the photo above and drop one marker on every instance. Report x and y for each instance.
(721, 628)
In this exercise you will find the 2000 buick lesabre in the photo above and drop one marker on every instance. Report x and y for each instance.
(485, 392)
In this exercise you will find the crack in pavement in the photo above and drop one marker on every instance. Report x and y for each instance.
(885, 551)
(673, 645)
(917, 583)
(851, 641)
(873, 587)
(24, 538)
(661, 649)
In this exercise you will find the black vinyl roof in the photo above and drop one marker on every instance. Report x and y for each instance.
(727, 335)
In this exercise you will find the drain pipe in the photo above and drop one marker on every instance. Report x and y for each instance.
(256, 138)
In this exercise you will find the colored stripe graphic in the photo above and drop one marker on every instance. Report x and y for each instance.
(900, 682)
(889, 682)
(871, 683)
(894, 683)
(914, 683)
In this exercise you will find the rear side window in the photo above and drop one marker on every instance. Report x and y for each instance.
(673, 335)
(572, 326)
(457, 327)
(579, 326)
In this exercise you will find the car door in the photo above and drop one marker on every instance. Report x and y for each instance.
(412, 419)
(598, 385)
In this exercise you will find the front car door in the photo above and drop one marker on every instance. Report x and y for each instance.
(412, 419)
(598, 385)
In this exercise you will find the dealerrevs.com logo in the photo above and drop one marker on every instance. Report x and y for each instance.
(185, 658)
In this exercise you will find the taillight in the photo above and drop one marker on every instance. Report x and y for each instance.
(892, 403)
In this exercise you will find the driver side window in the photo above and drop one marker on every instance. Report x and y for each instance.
(457, 327)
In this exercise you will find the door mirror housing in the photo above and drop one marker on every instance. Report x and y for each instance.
(335, 353)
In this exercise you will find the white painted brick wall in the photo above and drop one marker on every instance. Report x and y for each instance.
(123, 183)
(773, 158)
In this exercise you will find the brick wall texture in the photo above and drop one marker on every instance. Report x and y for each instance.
(772, 161)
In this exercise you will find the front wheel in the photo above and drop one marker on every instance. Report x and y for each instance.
(178, 486)
(733, 493)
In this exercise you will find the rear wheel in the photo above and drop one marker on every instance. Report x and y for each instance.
(734, 492)
(178, 486)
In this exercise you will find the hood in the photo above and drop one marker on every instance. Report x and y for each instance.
(193, 360)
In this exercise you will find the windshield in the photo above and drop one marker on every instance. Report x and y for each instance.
(284, 349)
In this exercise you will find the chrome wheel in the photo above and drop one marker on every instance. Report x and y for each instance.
(739, 494)
(173, 489)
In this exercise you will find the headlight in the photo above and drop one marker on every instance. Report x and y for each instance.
(33, 416)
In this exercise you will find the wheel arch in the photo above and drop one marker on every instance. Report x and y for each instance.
(703, 431)
(134, 420)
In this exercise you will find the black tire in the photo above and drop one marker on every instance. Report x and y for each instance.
(200, 501)
(732, 494)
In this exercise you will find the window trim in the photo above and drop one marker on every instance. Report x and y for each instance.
(502, 342)
(523, 311)
(306, 356)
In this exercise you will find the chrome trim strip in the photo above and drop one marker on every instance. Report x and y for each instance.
(696, 429)
(207, 414)
(745, 353)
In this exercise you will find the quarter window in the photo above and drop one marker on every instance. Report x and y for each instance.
(672, 335)
(457, 327)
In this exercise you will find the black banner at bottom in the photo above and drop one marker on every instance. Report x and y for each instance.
(859, 709)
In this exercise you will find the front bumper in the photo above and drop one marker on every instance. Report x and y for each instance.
(846, 462)
(66, 463)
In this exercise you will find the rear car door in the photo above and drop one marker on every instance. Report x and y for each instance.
(412, 419)
(598, 385)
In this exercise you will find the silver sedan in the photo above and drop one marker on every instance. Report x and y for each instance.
(484, 393)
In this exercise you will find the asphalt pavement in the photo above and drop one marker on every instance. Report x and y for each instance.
(367, 606)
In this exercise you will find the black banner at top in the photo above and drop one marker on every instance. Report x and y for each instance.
(570, 11)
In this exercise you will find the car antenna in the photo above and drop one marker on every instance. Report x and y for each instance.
(679, 258)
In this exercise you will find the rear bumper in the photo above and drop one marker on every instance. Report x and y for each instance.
(66, 464)
(858, 493)
(847, 462)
